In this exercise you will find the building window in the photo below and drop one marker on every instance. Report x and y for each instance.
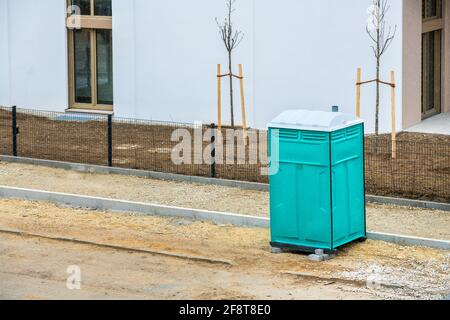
(431, 9)
(84, 5)
(90, 55)
(432, 33)
(102, 8)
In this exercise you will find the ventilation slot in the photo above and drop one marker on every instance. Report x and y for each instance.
(338, 135)
(314, 136)
(353, 131)
(288, 134)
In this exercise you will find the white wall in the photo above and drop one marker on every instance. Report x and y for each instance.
(38, 54)
(166, 53)
(124, 58)
(315, 47)
(4, 54)
(296, 54)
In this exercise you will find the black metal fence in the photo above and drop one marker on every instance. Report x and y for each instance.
(94, 139)
(421, 169)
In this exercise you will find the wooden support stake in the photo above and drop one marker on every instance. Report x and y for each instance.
(394, 129)
(358, 93)
(219, 98)
(244, 118)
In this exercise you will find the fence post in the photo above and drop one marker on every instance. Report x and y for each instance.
(15, 131)
(213, 150)
(110, 147)
(358, 93)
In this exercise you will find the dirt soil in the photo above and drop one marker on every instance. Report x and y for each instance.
(381, 218)
(420, 171)
(137, 144)
(35, 268)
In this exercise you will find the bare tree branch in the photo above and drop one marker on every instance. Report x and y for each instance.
(378, 33)
(382, 40)
(231, 39)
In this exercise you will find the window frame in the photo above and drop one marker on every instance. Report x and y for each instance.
(91, 23)
(434, 25)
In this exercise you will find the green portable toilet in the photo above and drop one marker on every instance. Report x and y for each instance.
(317, 188)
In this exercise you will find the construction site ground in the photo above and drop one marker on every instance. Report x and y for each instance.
(129, 256)
(424, 223)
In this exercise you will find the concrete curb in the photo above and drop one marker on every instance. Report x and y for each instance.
(203, 180)
(409, 240)
(95, 203)
(409, 203)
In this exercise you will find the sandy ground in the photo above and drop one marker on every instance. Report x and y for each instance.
(35, 268)
(390, 219)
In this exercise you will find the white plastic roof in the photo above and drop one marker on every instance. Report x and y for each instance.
(314, 120)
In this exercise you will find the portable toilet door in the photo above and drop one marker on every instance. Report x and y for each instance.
(317, 194)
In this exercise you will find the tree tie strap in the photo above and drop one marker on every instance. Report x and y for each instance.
(227, 75)
(376, 80)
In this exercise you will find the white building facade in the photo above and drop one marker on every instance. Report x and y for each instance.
(157, 59)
